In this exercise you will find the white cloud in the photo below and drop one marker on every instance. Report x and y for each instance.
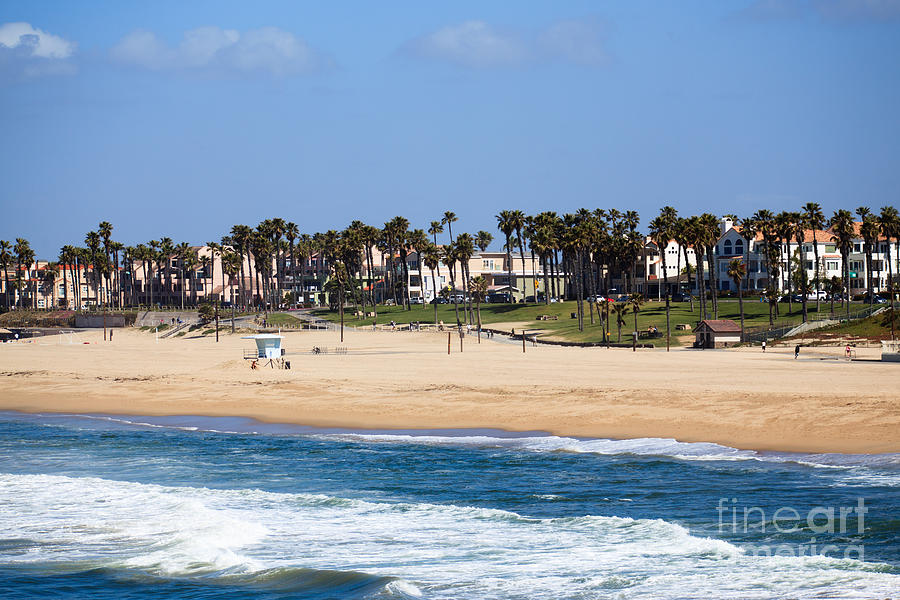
(477, 44)
(26, 51)
(472, 44)
(576, 41)
(34, 42)
(267, 49)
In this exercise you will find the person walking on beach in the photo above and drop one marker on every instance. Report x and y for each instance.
(764, 346)
(796, 351)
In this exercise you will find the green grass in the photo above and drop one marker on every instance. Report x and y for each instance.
(145, 327)
(756, 314)
(181, 334)
(208, 331)
(872, 328)
(283, 320)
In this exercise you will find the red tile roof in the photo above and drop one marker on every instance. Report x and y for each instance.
(720, 325)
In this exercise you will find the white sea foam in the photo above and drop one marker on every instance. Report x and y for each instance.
(446, 551)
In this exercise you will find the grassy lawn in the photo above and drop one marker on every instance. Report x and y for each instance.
(652, 313)
(283, 320)
(871, 328)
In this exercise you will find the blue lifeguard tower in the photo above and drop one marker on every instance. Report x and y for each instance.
(268, 347)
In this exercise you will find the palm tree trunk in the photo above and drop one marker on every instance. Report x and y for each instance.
(816, 271)
(741, 308)
(434, 285)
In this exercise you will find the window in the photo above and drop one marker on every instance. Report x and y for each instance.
(487, 264)
(830, 248)
(62, 290)
(739, 247)
(727, 247)
(857, 247)
(809, 265)
(856, 265)
(832, 265)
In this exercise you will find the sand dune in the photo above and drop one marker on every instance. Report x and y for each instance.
(745, 398)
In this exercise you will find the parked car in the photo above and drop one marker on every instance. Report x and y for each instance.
(439, 300)
(596, 299)
(680, 297)
(821, 295)
(417, 300)
(496, 298)
(876, 300)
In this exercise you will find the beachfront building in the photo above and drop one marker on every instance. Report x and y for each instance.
(717, 333)
(733, 244)
(651, 278)
(528, 282)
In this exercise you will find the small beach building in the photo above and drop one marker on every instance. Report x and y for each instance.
(268, 346)
(717, 333)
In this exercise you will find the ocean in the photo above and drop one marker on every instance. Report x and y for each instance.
(103, 507)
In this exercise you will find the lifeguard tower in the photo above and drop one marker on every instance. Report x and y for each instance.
(268, 347)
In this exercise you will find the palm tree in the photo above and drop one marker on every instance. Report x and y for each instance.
(737, 271)
(798, 229)
(889, 221)
(166, 250)
(291, 233)
(449, 219)
(709, 226)
(784, 227)
(240, 238)
(621, 311)
(483, 239)
(232, 265)
(435, 228)
(24, 258)
(478, 286)
(506, 225)
(105, 231)
(432, 259)
(843, 231)
(419, 242)
(815, 220)
(48, 278)
(661, 231)
(517, 217)
(64, 258)
(6, 259)
(465, 249)
(835, 288)
(449, 259)
(635, 301)
(869, 229)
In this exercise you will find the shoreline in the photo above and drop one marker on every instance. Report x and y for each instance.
(207, 424)
(405, 381)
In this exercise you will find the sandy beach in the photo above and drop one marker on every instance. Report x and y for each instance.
(743, 398)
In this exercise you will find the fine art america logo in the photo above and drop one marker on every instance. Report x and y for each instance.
(824, 524)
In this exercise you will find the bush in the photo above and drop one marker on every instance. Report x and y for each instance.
(180, 333)
(207, 312)
(208, 331)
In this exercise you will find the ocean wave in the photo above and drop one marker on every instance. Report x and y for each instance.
(662, 447)
(444, 550)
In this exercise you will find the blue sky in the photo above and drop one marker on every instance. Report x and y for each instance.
(181, 119)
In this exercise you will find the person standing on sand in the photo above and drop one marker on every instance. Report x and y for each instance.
(796, 351)
(764, 346)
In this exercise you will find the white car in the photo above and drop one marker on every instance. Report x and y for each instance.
(820, 295)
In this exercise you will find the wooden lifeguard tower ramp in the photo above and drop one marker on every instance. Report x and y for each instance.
(268, 348)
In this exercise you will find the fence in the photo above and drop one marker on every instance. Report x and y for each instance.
(760, 334)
